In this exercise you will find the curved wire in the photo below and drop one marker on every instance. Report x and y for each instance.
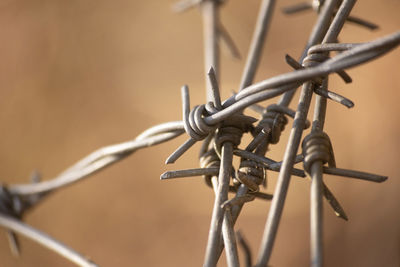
(45, 240)
(357, 55)
(354, 55)
(102, 158)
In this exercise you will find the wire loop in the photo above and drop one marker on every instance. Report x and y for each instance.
(317, 147)
(208, 160)
(232, 129)
(195, 126)
(274, 121)
(251, 174)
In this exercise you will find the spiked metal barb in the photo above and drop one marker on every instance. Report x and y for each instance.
(221, 125)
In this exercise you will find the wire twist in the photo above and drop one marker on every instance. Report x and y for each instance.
(274, 121)
(315, 57)
(231, 130)
(251, 174)
(209, 159)
(203, 120)
(195, 126)
(317, 147)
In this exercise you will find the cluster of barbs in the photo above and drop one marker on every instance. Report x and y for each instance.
(221, 125)
(315, 147)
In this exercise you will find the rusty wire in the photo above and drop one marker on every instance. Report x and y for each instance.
(220, 125)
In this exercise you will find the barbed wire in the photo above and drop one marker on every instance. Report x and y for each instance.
(220, 125)
(15, 200)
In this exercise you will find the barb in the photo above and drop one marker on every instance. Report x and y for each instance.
(350, 58)
(221, 125)
(213, 30)
(228, 137)
(203, 120)
(285, 82)
(210, 13)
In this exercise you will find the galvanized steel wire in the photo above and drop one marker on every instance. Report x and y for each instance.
(220, 125)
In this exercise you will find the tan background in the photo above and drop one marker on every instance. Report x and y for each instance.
(78, 75)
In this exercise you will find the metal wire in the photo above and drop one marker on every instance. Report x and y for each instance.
(220, 125)
(282, 186)
(44, 240)
(102, 158)
(22, 197)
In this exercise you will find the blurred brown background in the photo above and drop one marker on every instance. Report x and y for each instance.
(78, 75)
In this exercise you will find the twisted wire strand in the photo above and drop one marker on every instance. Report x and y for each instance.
(280, 84)
(312, 62)
(354, 54)
(316, 72)
(350, 58)
(102, 158)
(201, 121)
(16, 199)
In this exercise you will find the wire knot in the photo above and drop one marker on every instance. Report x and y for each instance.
(209, 159)
(251, 174)
(274, 121)
(232, 129)
(317, 147)
(195, 126)
(314, 58)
